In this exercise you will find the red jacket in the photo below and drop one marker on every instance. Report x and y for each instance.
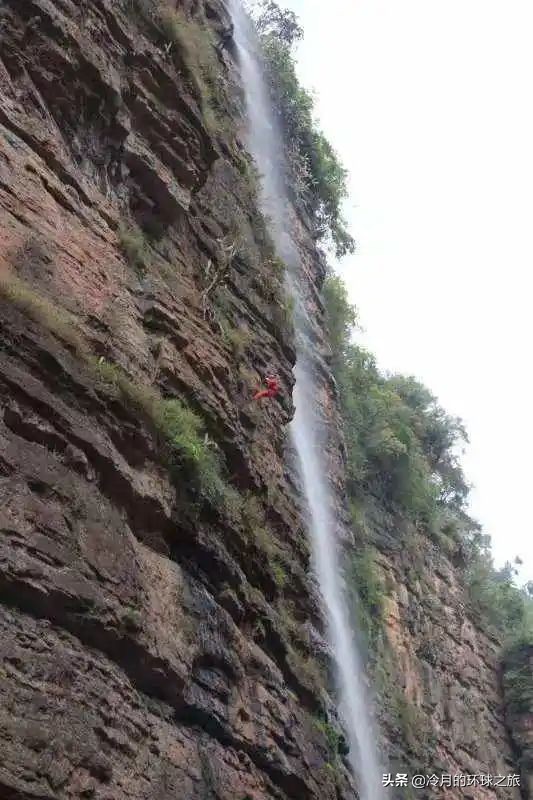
(272, 390)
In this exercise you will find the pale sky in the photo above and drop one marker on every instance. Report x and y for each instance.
(428, 103)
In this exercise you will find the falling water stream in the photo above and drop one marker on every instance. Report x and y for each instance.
(307, 431)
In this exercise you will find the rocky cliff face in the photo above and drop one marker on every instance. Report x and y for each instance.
(437, 669)
(518, 692)
(157, 643)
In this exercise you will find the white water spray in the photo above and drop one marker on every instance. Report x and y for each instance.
(307, 430)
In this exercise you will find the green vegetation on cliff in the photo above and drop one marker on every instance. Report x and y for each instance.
(133, 246)
(401, 444)
(184, 446)
(366, 595)
(403, 449)
(317, 175)
(193, 41)
(518, 679)
(518, 692)
(403, 464)
(181, 431)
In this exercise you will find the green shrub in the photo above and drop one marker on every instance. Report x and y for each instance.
(131, 620)
(239, 339)
(253, 514)
(195, 46)
(137, 395)
(133, 245)
(289, 306)
(282, 315)
(342, 319)
(198, 52)
(184, 431)
(179, 428)
(279, 572)
(367, 594)
(499, 601)
(284, 23)
(334, 738)
(51, 317)
(518, 677)
(317, 175)
(403, 448)
(256, 527)
(401, 445)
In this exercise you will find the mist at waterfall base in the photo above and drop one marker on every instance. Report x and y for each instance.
(266, 146)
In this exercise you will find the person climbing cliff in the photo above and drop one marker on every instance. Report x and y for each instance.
(272, 390)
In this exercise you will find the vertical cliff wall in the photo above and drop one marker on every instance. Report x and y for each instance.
(161, 635)
(156, 642)
(518, 693)
(437, 668)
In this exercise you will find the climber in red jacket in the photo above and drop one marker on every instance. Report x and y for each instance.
(272, 390)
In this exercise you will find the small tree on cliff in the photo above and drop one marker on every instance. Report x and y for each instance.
(318, 178)
(271, 19)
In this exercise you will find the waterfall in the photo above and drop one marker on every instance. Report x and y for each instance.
(307, 430)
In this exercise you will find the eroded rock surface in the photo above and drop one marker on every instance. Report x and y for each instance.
(155, 644)
(439, 669)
